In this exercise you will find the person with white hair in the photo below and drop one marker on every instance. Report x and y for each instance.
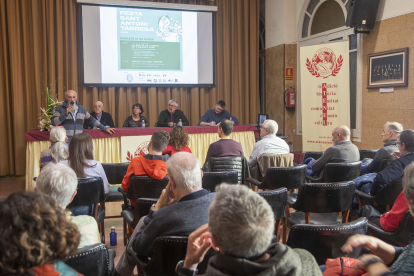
(59, 182)
(270, 143)
(172, 116)
(58, 151)
(71, 116)
(343, 151)
(181, 209)
(240, 226)
(100, 115)
(389, 137)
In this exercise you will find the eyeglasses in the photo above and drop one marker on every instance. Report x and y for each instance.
(263, 128)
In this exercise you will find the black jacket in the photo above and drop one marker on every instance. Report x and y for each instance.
(106, 120)
(165, 118)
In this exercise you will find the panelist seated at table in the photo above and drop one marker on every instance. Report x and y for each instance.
(135, 120)
(225, 146)
(171, 116)
(213, 116)
(82, 162)
(104, 118)
(71, 116)
(179, 141)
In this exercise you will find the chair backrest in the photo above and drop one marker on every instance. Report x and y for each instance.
(93, 260)
(402, 234)
(265, 161)
(325, 241)
(142, 208)
(231, 163)
(277, 199)
(289, 177)
(212, 179)
(384, 163)
(145, 186)
(115, 172)
(367, 153)
(325, 197)
(339, 172)
(388, 195)
(314, 154)
(89, 191)
(167, 252)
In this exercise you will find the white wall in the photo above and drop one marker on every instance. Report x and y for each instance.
(283, 16)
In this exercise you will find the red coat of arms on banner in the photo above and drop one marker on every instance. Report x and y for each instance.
(324, 63)
(142, 149)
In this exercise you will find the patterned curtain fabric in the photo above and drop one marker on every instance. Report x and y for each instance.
(39, 47)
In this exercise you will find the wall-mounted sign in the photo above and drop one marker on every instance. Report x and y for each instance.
(289, 73)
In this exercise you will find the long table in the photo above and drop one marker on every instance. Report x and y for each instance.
(107, 147)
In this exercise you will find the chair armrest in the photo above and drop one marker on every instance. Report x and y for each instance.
(364, 195)
(141, 262)
(125, 194)
(128, 216)
(253, 181)
(313, 179)
(291, 200)
(375, 228)
(111, 257)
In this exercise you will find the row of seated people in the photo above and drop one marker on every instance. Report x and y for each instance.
(182, 208)
(74, 117)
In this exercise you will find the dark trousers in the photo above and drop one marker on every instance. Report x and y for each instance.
(370, 213)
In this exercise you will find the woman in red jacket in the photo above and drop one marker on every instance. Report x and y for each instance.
(179, 141)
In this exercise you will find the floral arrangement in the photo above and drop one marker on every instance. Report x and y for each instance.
(46, 114)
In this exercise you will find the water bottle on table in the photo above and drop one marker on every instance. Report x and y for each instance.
(112, 236)
(180, 123)
(143, 123)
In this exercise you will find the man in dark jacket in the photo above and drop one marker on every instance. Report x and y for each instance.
(172, 116)
(181, 209)
(104, 117)
(240, 226)
(389, 137)
(396, 169)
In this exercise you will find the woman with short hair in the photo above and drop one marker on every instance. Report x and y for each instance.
(58, 151)
(179, 141)
(135, 120)
(35, 236)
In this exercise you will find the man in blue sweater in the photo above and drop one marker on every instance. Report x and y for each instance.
(71, 115)
(396, 169)
(213, 116)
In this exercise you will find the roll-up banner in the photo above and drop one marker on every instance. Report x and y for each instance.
(324, 76)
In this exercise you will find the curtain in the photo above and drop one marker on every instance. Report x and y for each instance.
(39, 48)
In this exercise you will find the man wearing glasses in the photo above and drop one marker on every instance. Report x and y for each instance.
(270, 143)
(172, 116)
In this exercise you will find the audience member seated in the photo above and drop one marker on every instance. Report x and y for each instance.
(181, 208)
(225, 146)
(60, 150)
(172, 116)
(59, 182)
(240, 226)
(396, 169)
(400, 259)
(179, 141)
(389, 137)
(135, 120)
(214, 116)
(270, 143)
(104, 118)
(342, 151)
(391, 221)
(81, 161)
(151, 164)
(35, 236)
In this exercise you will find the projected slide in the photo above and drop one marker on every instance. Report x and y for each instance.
(149, 39)
(145, 46)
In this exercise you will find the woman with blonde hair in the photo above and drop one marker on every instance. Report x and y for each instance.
(179, 141)
(58, 151)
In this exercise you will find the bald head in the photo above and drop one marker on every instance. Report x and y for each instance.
(340, 133)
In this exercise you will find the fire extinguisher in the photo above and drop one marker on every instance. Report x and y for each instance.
(290, 99)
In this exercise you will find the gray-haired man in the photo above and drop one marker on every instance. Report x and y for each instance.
(181, 208)
(171, 116)
(240, 226)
